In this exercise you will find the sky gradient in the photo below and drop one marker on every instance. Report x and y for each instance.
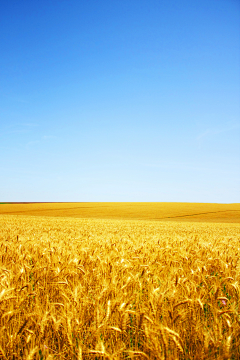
(125, 100)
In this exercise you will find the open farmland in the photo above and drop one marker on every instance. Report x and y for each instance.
(118, 289)
(140, 211)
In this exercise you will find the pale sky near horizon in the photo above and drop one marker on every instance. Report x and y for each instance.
(131, 100)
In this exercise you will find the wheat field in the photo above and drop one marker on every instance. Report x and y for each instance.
(122, 210)
(118, 289)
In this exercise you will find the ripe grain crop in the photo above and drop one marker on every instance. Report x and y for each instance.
(118, 289)
(131, 210)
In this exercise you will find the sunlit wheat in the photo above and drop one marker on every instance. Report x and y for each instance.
(112, 289)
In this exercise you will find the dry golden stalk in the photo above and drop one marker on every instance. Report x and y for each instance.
(200, 303)
(176, 281)
(115, 328)
(227, 348)
(177, 343)
(222, 298)
(69, 332)
(140, 321)
(224, 312)
(148, 318)
(164, 342)
(3, 353)
(181, 303)
(22, 326)
(80, 357)
(137, 353)
(108, 310)
(216, 292)
(124, 322)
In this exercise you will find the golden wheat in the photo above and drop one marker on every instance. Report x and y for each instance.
(118, 289)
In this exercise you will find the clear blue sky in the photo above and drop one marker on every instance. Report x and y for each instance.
(131, 100)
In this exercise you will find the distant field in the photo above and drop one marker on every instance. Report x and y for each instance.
(223, 213)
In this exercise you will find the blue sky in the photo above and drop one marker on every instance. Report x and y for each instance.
(131, 100)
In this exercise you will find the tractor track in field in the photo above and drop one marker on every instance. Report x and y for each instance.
(205, 213)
